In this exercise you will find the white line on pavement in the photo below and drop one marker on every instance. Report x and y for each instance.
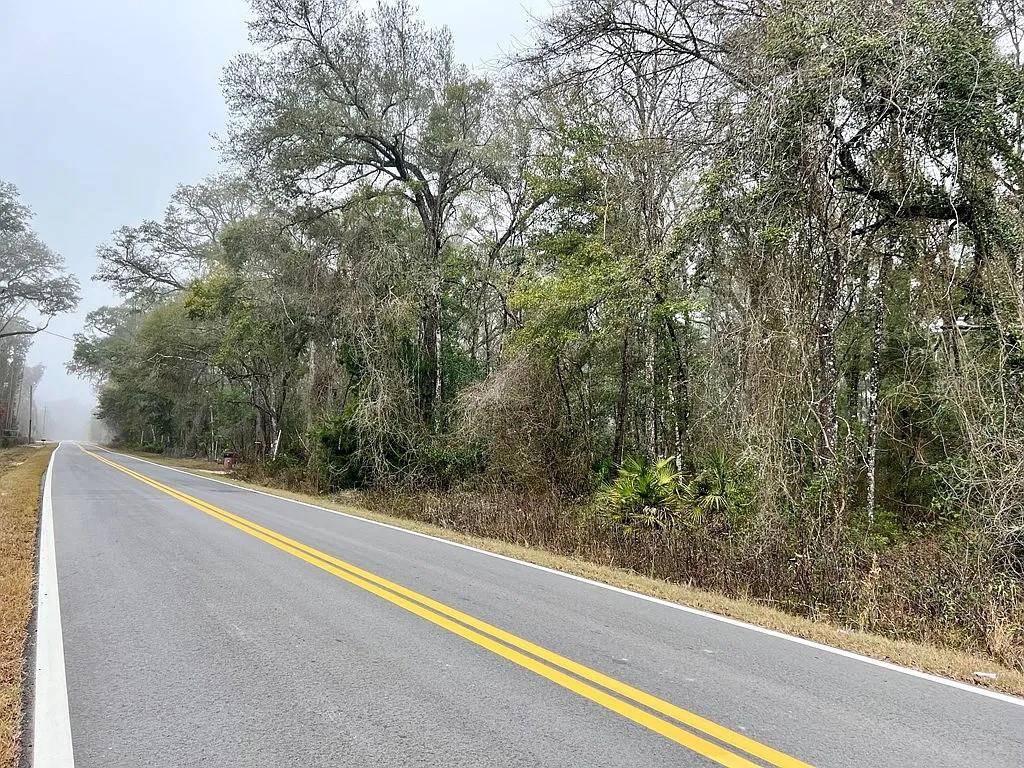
(51, 736)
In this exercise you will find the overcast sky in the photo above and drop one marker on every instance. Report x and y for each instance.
(107, 105)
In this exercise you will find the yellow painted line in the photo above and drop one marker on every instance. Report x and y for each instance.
(430, 609)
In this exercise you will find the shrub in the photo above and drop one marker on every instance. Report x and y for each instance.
(441, 461)
(719, 489)
(336, 461)
(645, 495)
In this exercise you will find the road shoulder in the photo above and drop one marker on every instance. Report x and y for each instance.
(21, 472)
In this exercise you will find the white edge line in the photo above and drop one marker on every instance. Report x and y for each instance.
(1004, 697)
(51, 726)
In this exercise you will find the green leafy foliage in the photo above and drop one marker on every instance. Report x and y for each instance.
(645, 495)
(719, 489)
(336, 459)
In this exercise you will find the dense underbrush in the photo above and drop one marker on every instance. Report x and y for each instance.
(930, 587)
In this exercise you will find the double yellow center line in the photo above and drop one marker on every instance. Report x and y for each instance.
(729, 748)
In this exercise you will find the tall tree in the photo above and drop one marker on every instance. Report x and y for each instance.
(32, 276)
(339, 105)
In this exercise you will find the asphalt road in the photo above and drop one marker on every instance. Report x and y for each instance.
(207, 625)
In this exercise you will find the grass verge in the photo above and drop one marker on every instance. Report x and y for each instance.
(945, 662)
(21, 469)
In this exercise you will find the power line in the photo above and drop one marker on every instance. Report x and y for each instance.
(58, 335)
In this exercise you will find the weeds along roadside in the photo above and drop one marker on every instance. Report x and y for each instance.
(21, 471)
(941, 585)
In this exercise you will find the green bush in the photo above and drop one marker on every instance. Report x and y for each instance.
(718, 489)
(336, 460)
(442, 460)
(645, 495)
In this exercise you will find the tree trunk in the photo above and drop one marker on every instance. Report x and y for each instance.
(681, 396)
(855, 364)
(429, 376)
(875, 379)
(622, 406)
(438, 356)
(679, 389)
(828, 317)
(432, 380)
(650, 400)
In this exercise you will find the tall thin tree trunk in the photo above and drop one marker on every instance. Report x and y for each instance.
(875, 379)
(828, 317)
(432, 383)
(438, 354)
(428, 376)
(314, 401)
(679, 390)
(855, 365)
(650, 394)
(623, 403)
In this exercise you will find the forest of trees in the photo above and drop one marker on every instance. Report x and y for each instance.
(34, 286)
(726, 292)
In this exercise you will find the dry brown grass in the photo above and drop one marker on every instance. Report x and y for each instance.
(20, 472)
(946, 662)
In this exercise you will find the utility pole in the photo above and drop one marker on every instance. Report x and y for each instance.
(31, 395)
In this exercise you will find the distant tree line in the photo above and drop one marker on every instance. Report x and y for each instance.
(735, 288)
